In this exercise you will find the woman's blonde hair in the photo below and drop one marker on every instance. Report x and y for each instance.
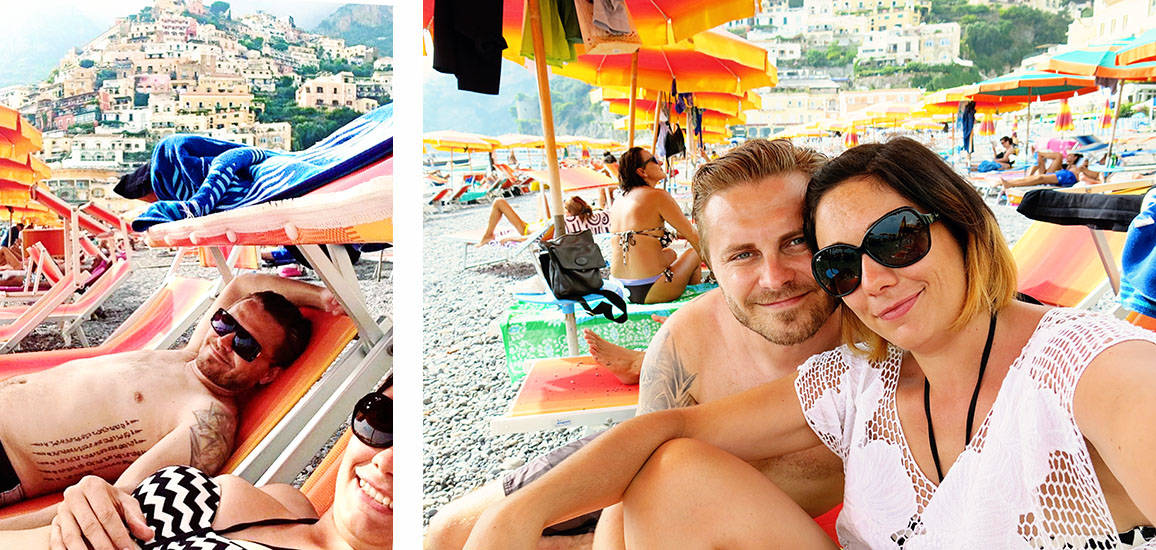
(921, 177)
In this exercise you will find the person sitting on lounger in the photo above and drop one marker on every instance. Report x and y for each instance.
(579, 216)
(95, 513)
(1068, 173)
(122, 416)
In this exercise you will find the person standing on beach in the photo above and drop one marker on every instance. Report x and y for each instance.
(765, 319)
(124, 415)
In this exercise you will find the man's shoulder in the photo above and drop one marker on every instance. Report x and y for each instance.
(698, 314)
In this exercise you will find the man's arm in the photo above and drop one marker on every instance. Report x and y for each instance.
(763, 422)
(665, 382)
(300, 293)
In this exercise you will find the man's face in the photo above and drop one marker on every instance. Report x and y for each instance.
(221, 366)
(763, 265)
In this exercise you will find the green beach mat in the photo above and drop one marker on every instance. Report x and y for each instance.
(537, 331)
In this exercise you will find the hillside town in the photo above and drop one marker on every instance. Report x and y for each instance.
(828, 52)
(182, 66)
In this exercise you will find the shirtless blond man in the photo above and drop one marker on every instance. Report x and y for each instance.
(123, 416)
(765, 319)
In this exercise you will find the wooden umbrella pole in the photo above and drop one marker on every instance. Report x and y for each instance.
(1116, 119)
(1028, 140)
(555, 196)
(633, 95)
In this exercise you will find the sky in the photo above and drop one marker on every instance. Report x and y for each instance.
(35, 34)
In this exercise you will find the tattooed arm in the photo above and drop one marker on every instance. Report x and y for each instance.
(665, 382)
(204, 441)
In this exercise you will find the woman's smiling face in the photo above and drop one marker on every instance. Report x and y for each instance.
(911, 307)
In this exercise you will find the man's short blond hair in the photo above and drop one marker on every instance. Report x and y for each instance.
(746, 164)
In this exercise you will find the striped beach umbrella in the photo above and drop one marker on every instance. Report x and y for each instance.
(987, 127)
(851, 138)
(1106, 116)
(1064, 118)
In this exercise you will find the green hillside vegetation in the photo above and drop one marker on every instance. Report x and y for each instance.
(996, 38)
(309, 125)
(361, 24)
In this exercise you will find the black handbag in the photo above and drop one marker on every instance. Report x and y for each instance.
(572, 267)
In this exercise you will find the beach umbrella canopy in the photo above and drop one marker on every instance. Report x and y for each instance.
(1106, 117)
(850, 138)
(987, 127)
(1100, 61)
(19, 133)
(923, 124)
(710, 120)
(645, 109)
(511, 141)
(730, 104)
(1031, 86)
(712, 61)
(1140, 50)
(577, 178)
(1064, 118)
(452, 140)
(947, 101)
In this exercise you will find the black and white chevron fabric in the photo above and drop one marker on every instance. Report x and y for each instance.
(179, 503)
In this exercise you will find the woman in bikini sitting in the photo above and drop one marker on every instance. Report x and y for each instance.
(642, 261)
(579, 216)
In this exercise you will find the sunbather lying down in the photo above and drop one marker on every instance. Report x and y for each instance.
(579, 216)
(170, 504)
(122, 416)
(1064, 172)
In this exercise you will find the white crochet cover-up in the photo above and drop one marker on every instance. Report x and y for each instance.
(1026, 479)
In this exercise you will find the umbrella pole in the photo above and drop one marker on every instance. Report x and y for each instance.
(1116, 119)
(633, 95)
(555, 196)
(1028, 141)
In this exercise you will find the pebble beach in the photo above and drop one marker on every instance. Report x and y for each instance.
(465, 377)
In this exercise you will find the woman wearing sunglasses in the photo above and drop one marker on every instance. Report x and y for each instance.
(965, 418)
(642, 261)
(181, 507)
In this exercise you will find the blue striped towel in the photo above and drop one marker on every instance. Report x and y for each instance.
(195, 175)
(1138, 283)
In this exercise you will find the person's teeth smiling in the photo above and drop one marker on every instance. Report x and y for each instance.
(371, 492)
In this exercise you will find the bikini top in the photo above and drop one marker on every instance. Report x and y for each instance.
(179, 503)
(626, 238)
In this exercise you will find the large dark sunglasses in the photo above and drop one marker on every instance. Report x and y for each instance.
(898, 239)
(244, 345)
(372, 420)
(654, 160)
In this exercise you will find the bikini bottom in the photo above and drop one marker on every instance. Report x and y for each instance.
(639, 288)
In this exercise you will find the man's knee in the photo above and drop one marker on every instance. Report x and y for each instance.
(451, 526)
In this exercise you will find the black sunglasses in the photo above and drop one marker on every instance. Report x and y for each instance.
(372, 420)
(652, 159)
(898, 239)
(244, 344)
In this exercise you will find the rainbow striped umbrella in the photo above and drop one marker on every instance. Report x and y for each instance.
(1064, 119)
(1106, 117)
(851, 138)
(987, 127)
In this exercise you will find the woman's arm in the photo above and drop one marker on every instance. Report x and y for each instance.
(762, 422)
(1118, 420)
(671, 213)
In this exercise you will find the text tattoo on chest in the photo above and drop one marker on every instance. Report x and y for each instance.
(66, 458)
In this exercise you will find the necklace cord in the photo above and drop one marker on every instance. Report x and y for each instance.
(970, 408)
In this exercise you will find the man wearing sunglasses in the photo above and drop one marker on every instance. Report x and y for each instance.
(122, 416)
(765, 319)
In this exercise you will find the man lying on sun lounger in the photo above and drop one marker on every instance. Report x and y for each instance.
(123, 416)
(765, 319)
(1064, 173)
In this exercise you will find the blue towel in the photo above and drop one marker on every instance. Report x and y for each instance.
(1138, 283)
(195, 175)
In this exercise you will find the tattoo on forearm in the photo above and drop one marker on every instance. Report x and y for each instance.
(70, 458)
(211, 439)
(664, 382)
